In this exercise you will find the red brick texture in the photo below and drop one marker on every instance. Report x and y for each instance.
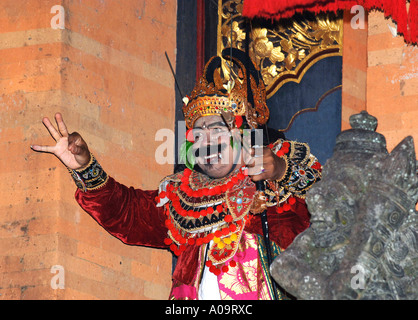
(354, 89)
(106, 73)
(392, 81)
(380, 76)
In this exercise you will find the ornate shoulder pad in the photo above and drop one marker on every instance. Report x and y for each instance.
(171, 179)
(302, 169)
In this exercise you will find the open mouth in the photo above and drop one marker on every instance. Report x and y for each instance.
(211, 154)
(212, 157)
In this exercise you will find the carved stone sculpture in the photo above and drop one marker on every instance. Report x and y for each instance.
(363, 238)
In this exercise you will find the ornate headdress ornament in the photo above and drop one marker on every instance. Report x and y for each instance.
(213, 95)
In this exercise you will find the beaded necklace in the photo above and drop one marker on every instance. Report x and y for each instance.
(199, 212)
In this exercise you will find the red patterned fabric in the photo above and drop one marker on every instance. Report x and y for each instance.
(131, 215)
(407, 22)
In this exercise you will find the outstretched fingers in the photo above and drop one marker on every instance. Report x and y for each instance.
(62, 132)
(62, 128)
(61, 125)
(50, 149)
(54, 133)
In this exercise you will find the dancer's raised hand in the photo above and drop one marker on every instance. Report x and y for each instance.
(71, 149)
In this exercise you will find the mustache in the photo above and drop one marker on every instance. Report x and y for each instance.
(210, 149)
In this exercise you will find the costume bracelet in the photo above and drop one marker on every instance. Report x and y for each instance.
(282, 153)
(90, 177)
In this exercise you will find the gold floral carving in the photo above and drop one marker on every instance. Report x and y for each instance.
(283, 50)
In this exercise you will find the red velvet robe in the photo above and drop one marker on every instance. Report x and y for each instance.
(132, 216)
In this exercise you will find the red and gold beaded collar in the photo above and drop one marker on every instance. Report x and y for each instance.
(201, 210)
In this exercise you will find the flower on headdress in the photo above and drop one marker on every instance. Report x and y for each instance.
(238, 121)
(186, 151)
(230, 85)
(186, 100)
(189, 135)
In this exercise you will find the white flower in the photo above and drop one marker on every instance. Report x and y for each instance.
(230, 85)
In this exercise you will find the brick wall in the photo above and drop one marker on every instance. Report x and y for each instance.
(354, 90)
(392, 81)
(380, 75)
(106, 73)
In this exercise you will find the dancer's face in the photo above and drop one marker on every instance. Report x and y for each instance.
(212, 147)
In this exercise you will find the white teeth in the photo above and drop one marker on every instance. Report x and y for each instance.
(210, 157)
(213, 156)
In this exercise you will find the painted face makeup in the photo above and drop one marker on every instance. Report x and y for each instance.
(212, 147)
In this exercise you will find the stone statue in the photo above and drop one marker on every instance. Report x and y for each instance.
(363, 238)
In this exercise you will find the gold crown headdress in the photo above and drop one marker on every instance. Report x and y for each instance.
(212, 95)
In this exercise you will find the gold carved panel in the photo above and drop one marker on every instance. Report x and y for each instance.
(284, 50)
